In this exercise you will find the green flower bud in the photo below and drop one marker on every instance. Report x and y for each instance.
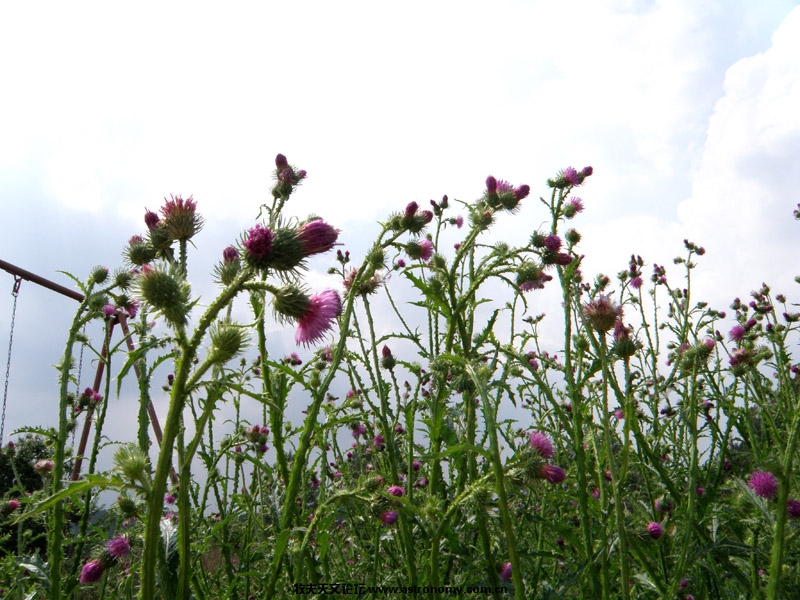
(290, 301)
(227, 340)
(132, 463)
(167, 293)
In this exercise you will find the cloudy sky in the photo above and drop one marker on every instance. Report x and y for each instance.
(686, 110)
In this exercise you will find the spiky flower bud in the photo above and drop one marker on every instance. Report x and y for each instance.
(138, 252)
(99, 274)
(288, 251)
(132, 463)
(127, 507)
(387, 359)
(290, 301)
(227, 340)
(167, 293)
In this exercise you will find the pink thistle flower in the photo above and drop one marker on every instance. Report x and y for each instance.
(318, 318)
(459, 221)
(10, 506)
(397, 491)
(636, 283)
(427, 250)
(389, 517)
(541, 444)
(359, 429)
(491, 185)
(415, 465)
(793, 507)
(109, 310)
(764, 484)
(553, 473)
(572, 176)
(587, 171)
(655, 530)
(317, 237)
(552, 243)
(737, 333)
(169, 498)
(119, 547)
(92, 571)
(505, 573)
(281, 163)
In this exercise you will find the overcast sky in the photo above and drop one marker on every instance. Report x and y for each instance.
(686, 110)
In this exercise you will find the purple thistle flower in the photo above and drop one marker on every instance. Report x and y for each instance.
(317, 237)
(459, 221)
(574, 205)
(491, 185)
(655, 530)
(281, 163)
(359, 429)
(379, 442)
(230, 254)
(587, 171)
(397, 490)
(415, 465)
(553, 473)
(411, 209)
(427, 250)
(92, 571)
(636, 283)
(793, 506)
(259, 242)
(421, 482)
(572, 176)
(151, 220)
(737, 333)
(541, 444)
(522, 192)
(552, 243)
(505, 573)
(169, 498)
(109, 310)
(389, 517)
(764, 484)
(119, 547)
(318, 318)
(10, 507)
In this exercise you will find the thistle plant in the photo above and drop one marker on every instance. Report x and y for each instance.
(445, 448)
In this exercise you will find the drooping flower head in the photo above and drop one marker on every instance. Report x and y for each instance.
(318, 318)
(552, 473)
(92, 571)
(44, 467)
(764, 484)
(317, 237)
(541, 444)
(118, 547)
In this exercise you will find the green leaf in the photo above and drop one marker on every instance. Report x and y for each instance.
(89, 482)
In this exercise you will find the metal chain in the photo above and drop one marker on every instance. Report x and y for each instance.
(15, 293)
